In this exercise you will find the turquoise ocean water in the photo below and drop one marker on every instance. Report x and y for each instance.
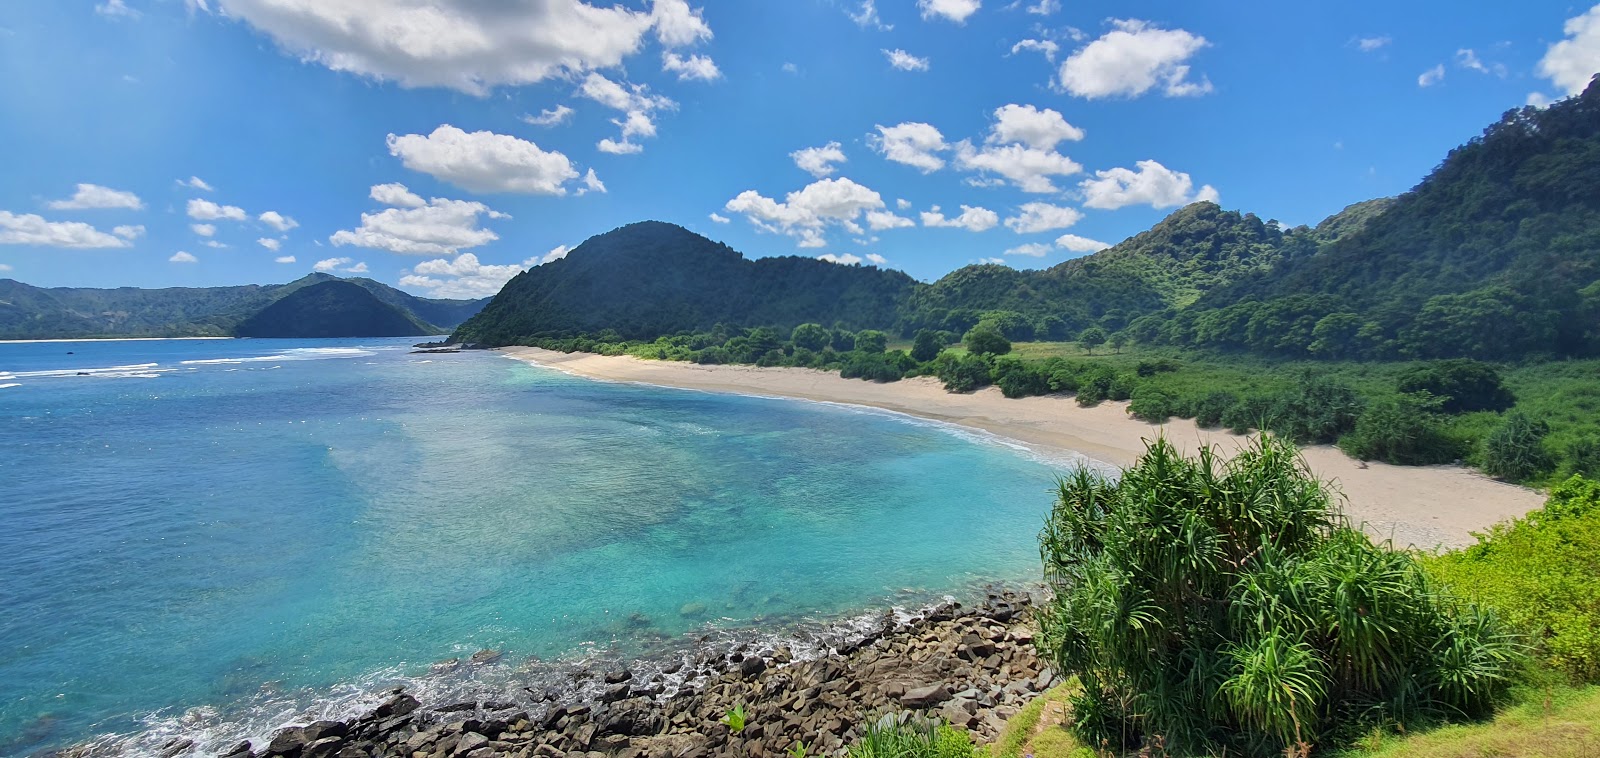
(217, 537)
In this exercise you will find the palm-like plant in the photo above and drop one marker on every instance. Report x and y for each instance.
(1228, 607)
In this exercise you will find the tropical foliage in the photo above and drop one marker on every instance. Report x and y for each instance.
(1540, 573)
(1227, 607)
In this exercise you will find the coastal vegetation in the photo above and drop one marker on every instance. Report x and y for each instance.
(1457, 322)
(1228, 608)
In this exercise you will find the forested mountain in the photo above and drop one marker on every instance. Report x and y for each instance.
(1496, 254)
(653, 278)
(333, 308)
(28, 312)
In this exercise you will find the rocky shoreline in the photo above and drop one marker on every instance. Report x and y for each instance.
(974, 667)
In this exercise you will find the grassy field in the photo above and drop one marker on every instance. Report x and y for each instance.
(1564, 723)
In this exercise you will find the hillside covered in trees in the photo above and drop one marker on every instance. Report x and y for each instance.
(651, 278)
(28, 312)
(1495, 255)
(332, 309)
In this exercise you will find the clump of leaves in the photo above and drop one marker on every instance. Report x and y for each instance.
(1515, 450)
(908, 735)
(1539, 573)
(734, 719)
(1226, 607)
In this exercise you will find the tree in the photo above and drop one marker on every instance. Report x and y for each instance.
(926, 346)
(1463, 385)
(810, 336)
(871, 341)
(1092, 338)
(1228, 609)
(986, 340)
(1119, 339)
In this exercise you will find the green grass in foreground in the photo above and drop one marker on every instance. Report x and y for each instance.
(1564, 723)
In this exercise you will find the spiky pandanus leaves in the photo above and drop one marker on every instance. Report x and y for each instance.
(1226, 606)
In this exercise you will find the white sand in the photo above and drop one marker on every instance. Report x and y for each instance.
(1424, 506)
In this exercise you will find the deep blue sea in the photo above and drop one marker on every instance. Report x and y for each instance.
(214, 538)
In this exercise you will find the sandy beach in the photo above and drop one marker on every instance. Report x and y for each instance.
(1423, 506)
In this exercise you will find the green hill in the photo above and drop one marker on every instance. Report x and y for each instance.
(332, 309)
(28, 312)
(653, 278)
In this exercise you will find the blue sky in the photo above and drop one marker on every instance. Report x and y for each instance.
(443, 145)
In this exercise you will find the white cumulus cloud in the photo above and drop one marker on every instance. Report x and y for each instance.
(1152, 184)
(397, 195)
(1035, 249)
(905, 61)
(1431, 77)
(94, 197)
(270, 243)
(205, 210)
(805, 213)
(972, 218)
(465, 277)
(344, 265)
(1029, 168)
(1042, 217)
(484, 161)
(283, 259)
(1571, 62)
(912, 143)
(719, 218)
(1044, 47)
(195, 182)
(1041, 129)
(550, 116)
(277, 221)
(1079, 244)
(183, 257)
(690, 67)
(950, 10)
(636, 104)
(866, 15)
(847, 259)
(818, 161)
(204, 230)
(31, 229)
(129, 231)
(467, 45)
(1132, 59)
(437, 227)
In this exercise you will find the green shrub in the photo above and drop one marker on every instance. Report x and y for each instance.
(1404, 430)
(1122, 387)
(1464, 385)
(1016, 378)
(1156, 366)
(962, 374)
(876, 367)
(1539, 573)
(871, 341)
(984, 339)
(908, 735)
(1583, 456)
(1209, 410)
(1515, 450)
(1153, 405)
(1319, 411)
(1227, 609)
(1253, 412)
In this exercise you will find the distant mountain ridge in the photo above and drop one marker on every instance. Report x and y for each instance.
(651, 278)
(29, 312)
(1494, 255)
(334, 308)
